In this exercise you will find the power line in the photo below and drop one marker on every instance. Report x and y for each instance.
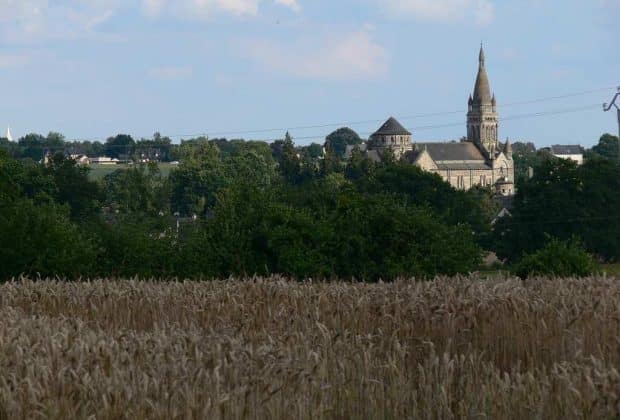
(407, 117)
(230, 133)
(418, 128)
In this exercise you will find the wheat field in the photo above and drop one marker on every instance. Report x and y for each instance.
(272, 349)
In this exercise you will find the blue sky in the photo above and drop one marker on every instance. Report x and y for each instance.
(93, 68)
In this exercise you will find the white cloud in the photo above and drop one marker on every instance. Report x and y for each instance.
(349, 56)
(34, 20)
(171, 72)
(481, 12)
(292, 4)
(201, 9)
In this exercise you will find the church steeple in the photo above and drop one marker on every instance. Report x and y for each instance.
(508, 149)
(482, 118)
(482, 89)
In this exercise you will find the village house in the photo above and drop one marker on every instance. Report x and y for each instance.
(570, 152)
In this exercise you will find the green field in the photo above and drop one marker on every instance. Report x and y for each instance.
(100, 171)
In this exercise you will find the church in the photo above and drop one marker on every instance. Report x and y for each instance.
(479, 159)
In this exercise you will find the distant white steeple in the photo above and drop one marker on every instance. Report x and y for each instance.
(9, 136)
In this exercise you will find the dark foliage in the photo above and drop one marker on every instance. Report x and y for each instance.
(563, 200)
(338, 141)
(558, 259)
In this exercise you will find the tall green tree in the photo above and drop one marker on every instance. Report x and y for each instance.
(607, 147)
(33, 146)
(200, 176)
(39, 239)
(358, 166)
(338, 141)
(562, 201)
(423, 189)
(120, 146)
(290, 163)
(73, 187)
(140, 189)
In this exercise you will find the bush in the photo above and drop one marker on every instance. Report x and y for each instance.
(137, 245)
(557, 258)
(41, 240)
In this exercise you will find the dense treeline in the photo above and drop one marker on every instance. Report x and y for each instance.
(565, 201)
(253, 209)
(244, 208)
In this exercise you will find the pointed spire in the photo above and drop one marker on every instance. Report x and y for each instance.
(482, 90)
(508, 148)
(9, 136)
(470, 100)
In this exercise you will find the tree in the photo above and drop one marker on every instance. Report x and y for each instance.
(72, 187)
(382, 237)
(600, 196)
(330, 164)
(557, 258)
(120, 146)
(607, 147)
(140, 189)
(423, 189)
(545, 205)
(325, 231)
(10, 148)
(90, 149)
(33, 146)
(250, 167)
(197, 180)
(138, 246)
(563, 200)
(55, 140)
(526, 156)
(338, 141)
(44, 242)
(523, 147)
(313, 151)
(358, 166)
(156, 149)
(290, 165)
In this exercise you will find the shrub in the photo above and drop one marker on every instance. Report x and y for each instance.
(557, 258)
(40, 239)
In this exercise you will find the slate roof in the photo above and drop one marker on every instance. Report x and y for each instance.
(566, 149)
(463, 151)
(350, 147)
(373, 155)
(463, 166)
(392, 128)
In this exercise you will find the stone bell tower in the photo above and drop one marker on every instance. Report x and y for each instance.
(482, 118)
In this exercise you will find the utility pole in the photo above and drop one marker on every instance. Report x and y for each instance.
(613, 104)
